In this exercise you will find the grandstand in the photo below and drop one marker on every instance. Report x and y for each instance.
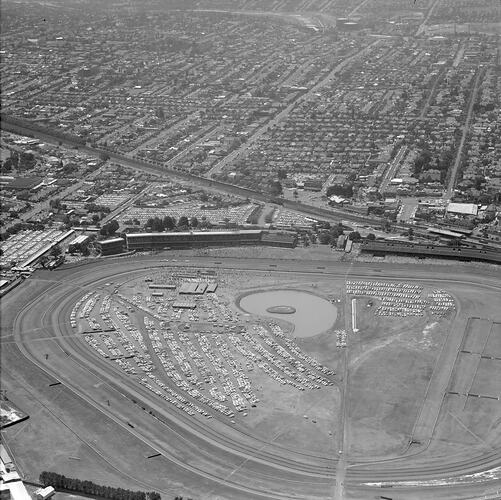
(430, 250)
(111, 246)
(189, 239)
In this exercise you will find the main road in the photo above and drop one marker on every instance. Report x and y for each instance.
(466, 129)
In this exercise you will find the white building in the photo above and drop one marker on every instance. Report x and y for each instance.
(462, 208)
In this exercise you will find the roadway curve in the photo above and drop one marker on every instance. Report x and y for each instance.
(228, 459)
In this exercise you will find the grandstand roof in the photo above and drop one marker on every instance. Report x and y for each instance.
(111, 240)
(195, 233)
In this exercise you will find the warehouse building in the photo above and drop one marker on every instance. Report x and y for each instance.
(78, 243)
(193, 288)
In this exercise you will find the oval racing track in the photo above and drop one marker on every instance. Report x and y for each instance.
(224, 455)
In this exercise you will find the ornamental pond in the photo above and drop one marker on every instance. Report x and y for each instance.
(309, 313)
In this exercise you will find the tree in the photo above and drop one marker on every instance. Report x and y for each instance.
(27, 160)
(194, 222)
(371, 236)
(56, 251)
(324, 237)
(113, 226)
(169, 223)
(333, 238)
(160, 113)
(205, 224)
(345, 190)
(55, 203)
(155, 224)
(355, 236)
(335, 232)
(8, 165)
(183, 222)
(282, 173)
(276, 188)
(422, 162)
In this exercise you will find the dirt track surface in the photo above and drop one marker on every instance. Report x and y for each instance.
(94, 405)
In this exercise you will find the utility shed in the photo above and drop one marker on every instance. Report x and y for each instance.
(44, 493)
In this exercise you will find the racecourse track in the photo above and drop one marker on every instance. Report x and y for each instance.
(227, 460)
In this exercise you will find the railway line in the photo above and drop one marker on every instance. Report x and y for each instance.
(27, 128)
(240, 458)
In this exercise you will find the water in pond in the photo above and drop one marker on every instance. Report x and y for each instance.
(312, 314)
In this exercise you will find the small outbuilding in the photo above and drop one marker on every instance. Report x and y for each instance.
(44, 493)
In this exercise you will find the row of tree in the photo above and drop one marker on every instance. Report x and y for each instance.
(345, 190)
(169, 223)
(330, 235)
(60, 482)
(426, 160)
(20, 226)
(20, 161)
